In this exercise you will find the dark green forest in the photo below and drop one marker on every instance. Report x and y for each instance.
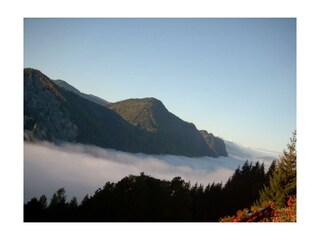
(144, 198)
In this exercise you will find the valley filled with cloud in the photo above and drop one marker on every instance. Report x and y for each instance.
(82, 169)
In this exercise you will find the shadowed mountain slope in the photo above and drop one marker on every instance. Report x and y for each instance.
(89, 97)
(171, 133)
(56, 114)
(215, 143)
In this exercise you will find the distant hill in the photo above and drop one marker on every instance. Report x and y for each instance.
(239, 151)
(89, 97)
(56, 111)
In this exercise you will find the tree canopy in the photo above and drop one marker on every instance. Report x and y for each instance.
(282, 182)
(145, 198)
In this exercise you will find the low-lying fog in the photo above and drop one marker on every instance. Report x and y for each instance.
(82, 169)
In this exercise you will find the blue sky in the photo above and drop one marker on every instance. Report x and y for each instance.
(235, 78)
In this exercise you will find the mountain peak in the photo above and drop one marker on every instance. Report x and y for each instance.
(147, 101)
(146, 113)
(171, 132)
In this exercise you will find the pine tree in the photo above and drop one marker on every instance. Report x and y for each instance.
(283, 180)
(43, 201)
(58, 199)
(73, 202)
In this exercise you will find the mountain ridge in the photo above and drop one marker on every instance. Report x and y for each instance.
(151, 115)
(90, 97)
(74, 118)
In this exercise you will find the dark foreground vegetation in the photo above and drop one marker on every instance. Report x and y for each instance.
(144, 198)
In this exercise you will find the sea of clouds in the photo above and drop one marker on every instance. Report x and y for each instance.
(82, 169)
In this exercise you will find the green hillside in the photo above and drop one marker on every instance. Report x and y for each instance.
(171, 134)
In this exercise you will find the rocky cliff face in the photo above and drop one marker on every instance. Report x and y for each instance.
(44, 116)
(215, 143)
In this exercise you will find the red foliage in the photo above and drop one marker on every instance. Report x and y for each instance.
(270, 213)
